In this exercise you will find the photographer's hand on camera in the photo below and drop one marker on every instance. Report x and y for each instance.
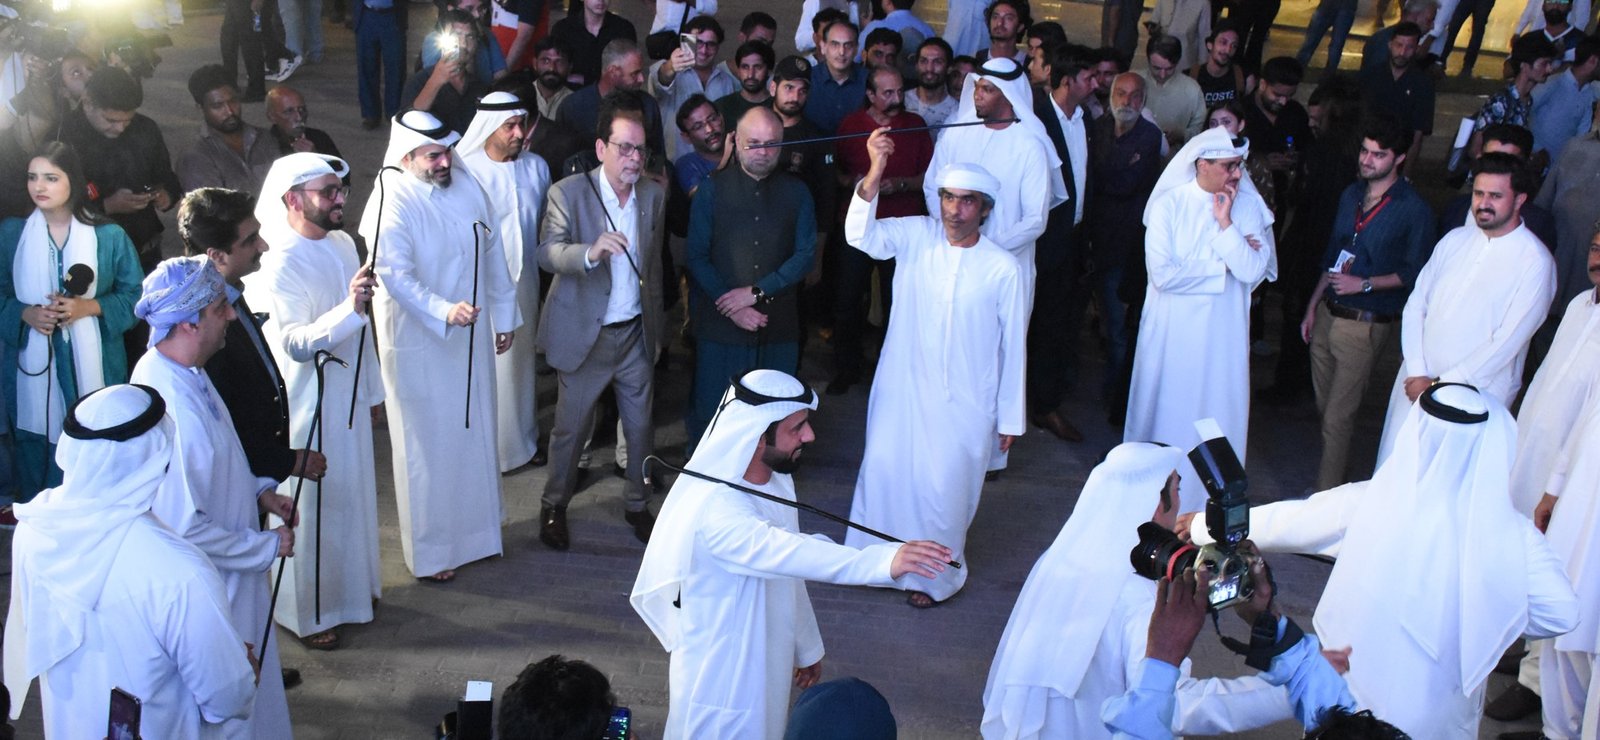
(1179, 615)
(1260, 601)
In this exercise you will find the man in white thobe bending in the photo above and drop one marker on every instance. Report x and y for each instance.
(209, 496)
(1208, 243)
(104, 595)
(1478, 301)
(446, 466)
(1077, 634)
(950, 379)
(722, 584)
(514, 182)
(1436, 575)
(1565, 665)
(318, 297)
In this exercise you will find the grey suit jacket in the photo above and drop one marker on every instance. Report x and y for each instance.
(574, 217)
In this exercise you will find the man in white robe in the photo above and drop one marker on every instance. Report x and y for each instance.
(1478, 301)
(446, 466)
(722, 584)
(950, 379)
(1077, 635)
(1208, 244)
(317, 298)
(1020, 155)
(1564, 666)
(209, 496)
(1549, 419)
(514, 183)
(104, 595)
(1436, 573)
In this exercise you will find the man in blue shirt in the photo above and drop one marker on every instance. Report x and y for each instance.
(1563, 107)
(1382, 235)
(838, 84)
(704, 126)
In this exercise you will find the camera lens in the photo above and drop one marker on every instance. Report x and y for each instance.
(1160, 552)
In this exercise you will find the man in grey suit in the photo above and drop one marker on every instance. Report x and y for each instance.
(601, 323)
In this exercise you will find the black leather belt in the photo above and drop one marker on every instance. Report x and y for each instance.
(619, 324)
(1342, 312)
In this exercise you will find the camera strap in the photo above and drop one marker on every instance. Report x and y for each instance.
(1264, 644)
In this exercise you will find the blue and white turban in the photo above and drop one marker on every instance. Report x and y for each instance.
(175, 292)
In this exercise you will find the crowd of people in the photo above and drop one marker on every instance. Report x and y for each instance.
(590, 198)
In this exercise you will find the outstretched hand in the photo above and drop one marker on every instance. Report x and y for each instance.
(923, 557)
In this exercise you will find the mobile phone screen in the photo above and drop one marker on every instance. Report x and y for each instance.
(123, 723)
(617, 729)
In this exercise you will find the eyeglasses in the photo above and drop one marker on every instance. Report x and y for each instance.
(628, 150)
(331, 192)
(1231, 167)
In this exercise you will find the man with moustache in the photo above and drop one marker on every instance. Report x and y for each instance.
(1401, 88)
(446, 466)
(317, 297)
(901, 195)
(514, 182)
(552, 62)
(752, 240)
(286, 109)
(704, 126)
(228, 153)
(812, 162)
(931, 98)
(752, 64)
(1478, 301)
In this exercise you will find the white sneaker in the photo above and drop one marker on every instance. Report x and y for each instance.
(286, 67)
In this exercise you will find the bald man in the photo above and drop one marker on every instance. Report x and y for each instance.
(286, 108)
(752, 239)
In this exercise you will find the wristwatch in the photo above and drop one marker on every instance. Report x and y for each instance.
(1366, 285)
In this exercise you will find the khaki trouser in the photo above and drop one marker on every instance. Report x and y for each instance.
(1343, 352)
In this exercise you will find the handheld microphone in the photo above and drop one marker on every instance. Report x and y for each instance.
(79, 278)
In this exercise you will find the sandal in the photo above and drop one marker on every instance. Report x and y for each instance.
(325, 640)
(920, 600)
(443, 576)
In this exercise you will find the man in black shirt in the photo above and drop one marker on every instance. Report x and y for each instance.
(1220, 78)
(1402, 88)
(450, 88)
(286, 109)
(812, 163)
(587, 34)
(1278, 126)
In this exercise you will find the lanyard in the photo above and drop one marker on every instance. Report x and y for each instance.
(1362, 219)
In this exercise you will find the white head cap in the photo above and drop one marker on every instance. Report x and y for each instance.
(969, 176)
(289, 172)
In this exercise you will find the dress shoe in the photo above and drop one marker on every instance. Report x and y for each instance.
(991, 475)
(291, 678)
(1510, 663)
(643, 522)
(553, 528)
(1056, 424)
(1512, 704)
(540, 458)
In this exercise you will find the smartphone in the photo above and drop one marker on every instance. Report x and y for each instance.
(617, 728)
(123, 722)
(687, 43)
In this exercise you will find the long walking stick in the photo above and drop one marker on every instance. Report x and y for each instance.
(372, 264)
(472, 328)
(862, 134)
(653, 460)
(322, 357)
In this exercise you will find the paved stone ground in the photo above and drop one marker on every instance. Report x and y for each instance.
(396, 676)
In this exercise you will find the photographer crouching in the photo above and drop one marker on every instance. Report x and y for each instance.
(1436, 574)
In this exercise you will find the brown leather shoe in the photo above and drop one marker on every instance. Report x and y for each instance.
(643, 523)
(1056, 424)
(553, 528)
(1513, 704)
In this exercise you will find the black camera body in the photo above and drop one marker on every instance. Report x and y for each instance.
(1160, 554)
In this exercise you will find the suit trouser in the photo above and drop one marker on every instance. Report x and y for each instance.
(617, 359)
(1343, 352)
(380, 40)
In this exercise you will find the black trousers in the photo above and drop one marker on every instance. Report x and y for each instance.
(853, 279)
(1254, 18)
(259, 48)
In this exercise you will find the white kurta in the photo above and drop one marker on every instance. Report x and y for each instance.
(1566, 664)
(164, 617)
(515, 191)
(746, 620)
(447, 478)
(1209, 706)
(965, 29)
(949, 380)
(209, 498)
(1555, 397)
(1390, 673)
(1469, 318)
(1022, 165)
(304, 285)
(1193, 356)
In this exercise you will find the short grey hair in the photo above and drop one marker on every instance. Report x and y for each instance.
(620, 49)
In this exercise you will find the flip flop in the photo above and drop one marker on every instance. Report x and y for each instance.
(443, 576)
(325, 640)
(925, 602)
